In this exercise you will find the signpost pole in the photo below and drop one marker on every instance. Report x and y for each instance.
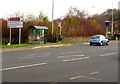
(19, 35)
(106, 31)
(15, 22)
(10, 37)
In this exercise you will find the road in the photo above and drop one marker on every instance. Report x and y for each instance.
(78, 63)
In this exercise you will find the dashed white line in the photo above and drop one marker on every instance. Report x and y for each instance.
(44, 56)
(26, 57)
(71, 56)
(26, 66)
(108, 54)
(77, 55)
(32, 54)
(93, 73)
(71, 52)
(67, 60)
(60, 56)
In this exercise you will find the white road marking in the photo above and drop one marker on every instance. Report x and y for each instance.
(75, 59)
(80, 58)
(66, 60)
(29, 57)
(71, 52)
(71, 56)
(76, 55)
(26, 57)
(93, 73)
(26, 66)
(32, 54)
(44, 56)
(108, 54)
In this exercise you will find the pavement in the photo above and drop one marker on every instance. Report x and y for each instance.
(45, 46)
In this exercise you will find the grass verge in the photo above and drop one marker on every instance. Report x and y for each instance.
(15, 45)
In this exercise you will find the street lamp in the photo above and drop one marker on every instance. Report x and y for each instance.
(52, 19)
(112, 20)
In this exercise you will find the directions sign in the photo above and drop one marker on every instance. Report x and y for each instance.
(15, 22)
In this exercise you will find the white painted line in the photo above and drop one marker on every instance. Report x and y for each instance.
(66, 60)
(26, 66)
(80, 58)
(71, 52)
(26, 57)
(93, 73)
(44, 56)
(108, 54)
(32, 54)
(71, 56)
(75, 59)
(76, 55)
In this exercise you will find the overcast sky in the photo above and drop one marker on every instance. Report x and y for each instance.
(60, 8)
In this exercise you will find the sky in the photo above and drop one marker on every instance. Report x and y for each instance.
(61, 7)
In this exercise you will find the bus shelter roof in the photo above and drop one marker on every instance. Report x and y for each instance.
(38, 27)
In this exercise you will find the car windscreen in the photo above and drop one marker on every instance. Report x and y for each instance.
(95, 37)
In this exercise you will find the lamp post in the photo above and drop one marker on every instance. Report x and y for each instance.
(52, 19)
(119, 17)
(112, 20)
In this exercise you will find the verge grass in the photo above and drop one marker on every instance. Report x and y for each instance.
(15, 45)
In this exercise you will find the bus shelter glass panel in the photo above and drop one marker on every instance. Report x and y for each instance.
(40, 37)
(32, 36)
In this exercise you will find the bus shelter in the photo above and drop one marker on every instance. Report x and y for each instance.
(36, 34)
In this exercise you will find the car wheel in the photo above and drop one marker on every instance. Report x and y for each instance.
(102, 44)
(107, 43)
(90, 44)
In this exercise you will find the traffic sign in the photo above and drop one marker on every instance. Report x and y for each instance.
(107, 23)
(59, 24)
(15, 22)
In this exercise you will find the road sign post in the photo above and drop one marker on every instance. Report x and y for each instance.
(10, 37)
(19, 35)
